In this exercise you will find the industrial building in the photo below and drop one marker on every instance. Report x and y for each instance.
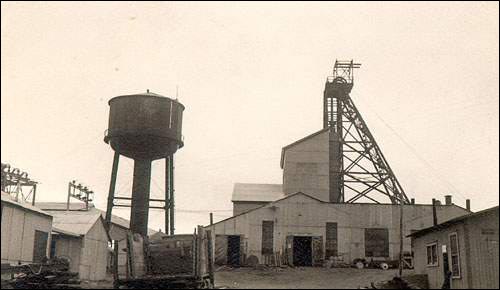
(307, 230)
(466, 246)
(26, 232)
(339, 197)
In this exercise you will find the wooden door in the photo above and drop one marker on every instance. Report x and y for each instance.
(317, 251)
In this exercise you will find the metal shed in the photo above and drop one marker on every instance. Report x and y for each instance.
(26, 232)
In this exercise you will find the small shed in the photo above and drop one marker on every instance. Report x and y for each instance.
(26, 232)
(81, 237)
(466, 246)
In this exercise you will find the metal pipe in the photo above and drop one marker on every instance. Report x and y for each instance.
(434, 214)
(467, 204)
(140, 197)
(112, 185)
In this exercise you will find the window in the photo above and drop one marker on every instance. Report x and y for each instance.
(454, 256)
(432, 254)
(331, 240)
(376, 242)
(267, 237)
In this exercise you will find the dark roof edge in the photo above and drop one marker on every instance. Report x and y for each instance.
(453, 221)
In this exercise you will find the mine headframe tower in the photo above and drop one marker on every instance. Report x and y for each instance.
(358, 168)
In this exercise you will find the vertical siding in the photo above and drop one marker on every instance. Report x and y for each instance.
(94, 253)
(302, 215)
(306, 167)
(483, 246)
(18, 234)
(478, 254)
(69, 247)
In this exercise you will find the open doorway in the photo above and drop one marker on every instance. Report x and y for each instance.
(302, 252)
(233, 250)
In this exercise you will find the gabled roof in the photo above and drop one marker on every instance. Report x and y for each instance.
(282, 162)
(453, 222)
(253, 192)
(80, 207)
(74, 222)
(7, 198)
(273, 202)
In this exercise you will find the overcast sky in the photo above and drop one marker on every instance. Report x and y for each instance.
(251, 76)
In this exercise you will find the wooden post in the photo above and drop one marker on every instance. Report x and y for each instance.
(210, 258)
(115, 264)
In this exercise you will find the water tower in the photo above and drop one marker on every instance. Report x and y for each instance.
(144, 127)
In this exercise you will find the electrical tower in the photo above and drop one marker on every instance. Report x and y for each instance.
(17, 183)
(80, 192)
(358, 168)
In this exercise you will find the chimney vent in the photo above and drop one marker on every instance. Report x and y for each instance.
(467, 204)
(448, 199)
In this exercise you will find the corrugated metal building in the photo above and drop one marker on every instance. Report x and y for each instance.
(300, 222)
(26, 232)
(467, 246)
(73, 240)
(81, 236)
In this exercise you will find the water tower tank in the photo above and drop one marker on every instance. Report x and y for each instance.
(145, 126)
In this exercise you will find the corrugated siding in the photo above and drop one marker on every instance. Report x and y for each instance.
(93, 260)
(18, 233)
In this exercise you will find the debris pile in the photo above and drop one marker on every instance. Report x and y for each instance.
(54, 274)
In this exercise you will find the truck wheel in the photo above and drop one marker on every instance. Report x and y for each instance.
(384, 266)
(360, 265)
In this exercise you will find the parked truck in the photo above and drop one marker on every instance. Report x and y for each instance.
(172, 262)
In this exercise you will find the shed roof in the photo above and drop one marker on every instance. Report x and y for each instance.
(74, 222)
(453, 222)
(257, 192)
(7, 198)
(282, 161)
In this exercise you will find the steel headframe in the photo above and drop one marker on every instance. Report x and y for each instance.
(359, 166)
(14, 181)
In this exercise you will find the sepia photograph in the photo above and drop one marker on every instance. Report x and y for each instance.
(249, 145)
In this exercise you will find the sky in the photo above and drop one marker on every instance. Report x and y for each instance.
(251, 76)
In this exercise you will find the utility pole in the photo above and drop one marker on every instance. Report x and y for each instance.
(401, 239)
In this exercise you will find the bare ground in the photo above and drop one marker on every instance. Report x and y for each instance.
(300, 278)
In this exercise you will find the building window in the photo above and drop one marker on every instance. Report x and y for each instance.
(432, 254)
(376, 242)
(267, 237)
(454, 256)
(331, 249)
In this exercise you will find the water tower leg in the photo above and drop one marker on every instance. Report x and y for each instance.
(112, 185)
(140, 197)
(172, 191)
(167, 195)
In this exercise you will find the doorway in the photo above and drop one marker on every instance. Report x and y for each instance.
(302, 251)
(233, 250)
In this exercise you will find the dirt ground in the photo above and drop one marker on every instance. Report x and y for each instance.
(300, 278)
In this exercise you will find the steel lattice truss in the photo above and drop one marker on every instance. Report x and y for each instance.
(15, 181)
(362, 172)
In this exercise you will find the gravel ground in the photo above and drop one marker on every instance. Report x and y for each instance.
(300, 278)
